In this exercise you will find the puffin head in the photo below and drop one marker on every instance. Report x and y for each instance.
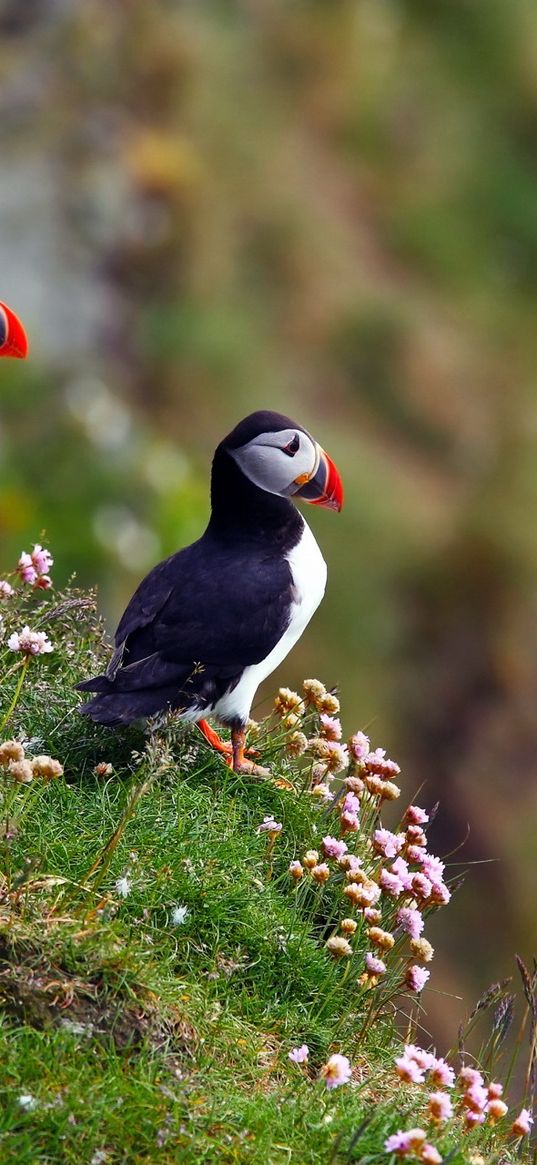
(13, 340)
(282, 458)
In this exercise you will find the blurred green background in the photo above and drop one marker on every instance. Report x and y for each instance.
(327, 208)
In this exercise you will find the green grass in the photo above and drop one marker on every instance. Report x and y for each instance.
(139, 1040)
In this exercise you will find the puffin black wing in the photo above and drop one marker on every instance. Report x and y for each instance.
(195, 622)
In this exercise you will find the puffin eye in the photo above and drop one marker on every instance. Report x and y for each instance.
(293, 446)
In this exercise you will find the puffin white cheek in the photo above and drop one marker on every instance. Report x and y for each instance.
(265, 466)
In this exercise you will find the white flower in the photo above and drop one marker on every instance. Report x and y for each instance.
(179, 915)
(123, 886)
(28, 1102)
(29, 642)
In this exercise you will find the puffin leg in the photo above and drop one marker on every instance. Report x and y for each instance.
(223, 746)
(240, 763)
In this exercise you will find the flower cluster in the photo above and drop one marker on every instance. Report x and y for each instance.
(33, 568)
(22, 769)
(388, 880)
(30, 642)
(472, 1100)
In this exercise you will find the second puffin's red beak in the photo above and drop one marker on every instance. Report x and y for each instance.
(13, 340)
(324, 487)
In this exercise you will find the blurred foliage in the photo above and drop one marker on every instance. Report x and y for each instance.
(330, 209)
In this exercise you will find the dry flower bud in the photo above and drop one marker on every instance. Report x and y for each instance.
(21, 771)
(339, 947)
(314, 691)
(10, 750)
(422, 949)
(389, 791)
(381, 938)
(46, 767)
(291, 720)
(296, 744)
(296, 870)
(330, 704)
(310, 859)
(348, 925)
(253, 728)
(319, 747)
(320, 873)
(287, 701)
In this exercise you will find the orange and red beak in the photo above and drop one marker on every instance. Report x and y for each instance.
(324, 487)
(13, 340)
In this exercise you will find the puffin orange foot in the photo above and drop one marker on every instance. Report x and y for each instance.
(225, 747)
(240, 763)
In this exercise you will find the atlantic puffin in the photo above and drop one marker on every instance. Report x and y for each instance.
(208, 624)
(13, 340)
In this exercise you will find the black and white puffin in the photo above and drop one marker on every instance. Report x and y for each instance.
(206, 626)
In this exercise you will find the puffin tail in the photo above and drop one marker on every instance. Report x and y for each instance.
(113, 708)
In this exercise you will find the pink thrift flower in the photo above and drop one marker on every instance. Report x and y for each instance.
(442, 1073)
(410, 920)
(299, 1055)
(269, 825)
(377, 762)
(390, 883)
(475, 1098)
(408, 1070)
(330, 727)
(433, 867)
(416, 816)
(351, 803)
(416, 978)
(430, 1155)
(421, 886)
(440, 894)
(400, 868)
(44, 582)
(6, 590)
(495, 1089)
(469, 1076)
(440, 1106)
(522, 1125)
(405, 1143)
(350, 862)
(473, 1119)
(359, 745)
(30, 642)
(414, 853)
(496, 1109)
(387, 843)
(42, 559)
(26, 569)
(336, 1071)
(423, 1059)
(374, 966)
(371, 914)
(350, 822)
(333, 848)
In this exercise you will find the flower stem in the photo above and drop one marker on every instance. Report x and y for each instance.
(16, 694)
